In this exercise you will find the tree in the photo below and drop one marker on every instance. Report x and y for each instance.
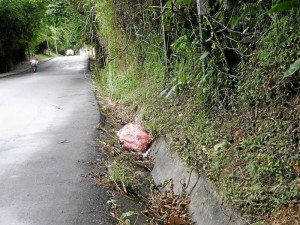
(20, 24)
(63, 25)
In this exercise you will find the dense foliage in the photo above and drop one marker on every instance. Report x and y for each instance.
(33, 26)
(64, 27)
(20, 23)
(219, 77)
(222, 80)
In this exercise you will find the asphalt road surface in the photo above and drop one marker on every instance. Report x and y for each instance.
(47, 134)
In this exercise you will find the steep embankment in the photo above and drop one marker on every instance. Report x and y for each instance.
(224, 86)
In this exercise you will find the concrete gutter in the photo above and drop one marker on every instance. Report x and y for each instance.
(25, 69)
(206, 205)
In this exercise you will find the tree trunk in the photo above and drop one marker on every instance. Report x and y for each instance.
(47, 43)
(228, 4)
(55, 46)
(28, 50)
(201, 9)
(163, 34)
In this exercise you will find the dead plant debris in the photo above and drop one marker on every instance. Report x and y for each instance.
(172, 209)
(128, 173)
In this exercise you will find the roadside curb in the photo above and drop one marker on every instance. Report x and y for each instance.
(206, 207)
(22, 70)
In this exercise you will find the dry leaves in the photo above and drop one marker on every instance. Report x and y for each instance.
(164, 207)
(289, 215)
(172, 209)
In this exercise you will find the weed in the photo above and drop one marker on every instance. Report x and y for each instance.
(119, 174)
(124, 217)
(241, 97)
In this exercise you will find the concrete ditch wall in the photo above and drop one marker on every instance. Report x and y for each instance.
(206, 206)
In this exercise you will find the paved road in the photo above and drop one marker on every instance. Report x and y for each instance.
(47, 122)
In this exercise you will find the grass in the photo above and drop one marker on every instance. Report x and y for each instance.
(119, 173)
(243, 134)
(42, 56)
(253, 168)
(46, 56)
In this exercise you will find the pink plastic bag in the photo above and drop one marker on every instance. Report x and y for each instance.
(134, 137)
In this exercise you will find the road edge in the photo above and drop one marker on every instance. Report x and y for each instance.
(2, 75)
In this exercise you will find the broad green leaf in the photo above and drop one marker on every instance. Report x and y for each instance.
(221, 17)
(255, 188)
(204, 55)
(187, 2)
(127, 214)
(168, 4)
(234, 20)
(293, 68)
(180, 44)
(284, 6)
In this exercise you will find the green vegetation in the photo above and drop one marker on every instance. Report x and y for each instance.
(64, 27)
(20, 23)
(222, 80)
(45, 56)
(224, 85)
(120, 174)
(124, 217)
(37, 26)
(41, 56)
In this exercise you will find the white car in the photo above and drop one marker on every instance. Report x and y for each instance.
(70, 52)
